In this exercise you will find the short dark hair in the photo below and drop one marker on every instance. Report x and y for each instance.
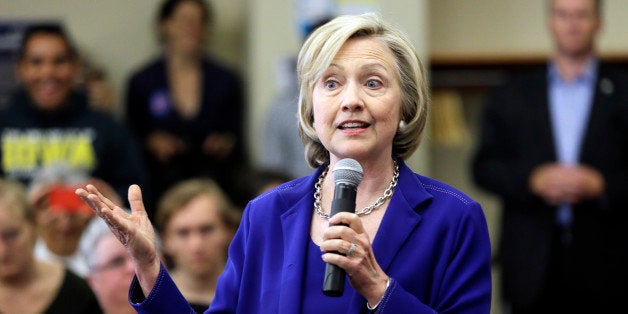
(45, 29)
(169, 6)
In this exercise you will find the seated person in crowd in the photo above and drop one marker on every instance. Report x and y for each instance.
(109, 268)
(60, 215)
(48, 121)
(27, 284)
(196, 222)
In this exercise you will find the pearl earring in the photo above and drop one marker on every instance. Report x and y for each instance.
(402, 124)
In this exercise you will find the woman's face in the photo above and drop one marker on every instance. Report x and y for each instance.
(17, 239)
(112, 275)
(62, 231)
(196, 237)
(357, 101)
(184, 30)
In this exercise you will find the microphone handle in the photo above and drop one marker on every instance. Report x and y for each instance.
(344, 201)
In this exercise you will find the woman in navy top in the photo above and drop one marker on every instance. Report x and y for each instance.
(413, 245)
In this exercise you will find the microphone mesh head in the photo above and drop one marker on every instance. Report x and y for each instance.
(348, 171)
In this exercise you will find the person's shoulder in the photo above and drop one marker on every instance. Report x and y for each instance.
(215, 67)
(9, 110)
(523, 78)
(75, 295)
(148, 69)
(285, 197)
(74, 285)
(285, 192)
(104, 122)
(16, 104)
(443, 191)
(614, 72)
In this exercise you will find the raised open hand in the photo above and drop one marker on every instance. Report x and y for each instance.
(133, 230)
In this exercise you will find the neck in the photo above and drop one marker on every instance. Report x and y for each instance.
(571, 66)
(178, 60)
(197, 282)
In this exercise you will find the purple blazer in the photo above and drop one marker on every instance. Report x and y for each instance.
(433, 241)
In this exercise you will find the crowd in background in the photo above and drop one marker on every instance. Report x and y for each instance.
(182, 140)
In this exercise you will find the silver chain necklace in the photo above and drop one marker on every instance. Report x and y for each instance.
(364, 211)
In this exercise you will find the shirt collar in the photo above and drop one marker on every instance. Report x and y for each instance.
(588, 74)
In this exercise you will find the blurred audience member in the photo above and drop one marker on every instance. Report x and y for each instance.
(49, 122)
(29, 285)
(110, 269)
(196, 222)
(283, 150)
(100, 94)
(184, 106)
(61, 217)
(60, 214)
(554, 148)
(264, 180)
(255, 182)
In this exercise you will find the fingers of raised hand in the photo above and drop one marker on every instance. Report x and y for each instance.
(84, 195)
(102, 198)
(135, 199)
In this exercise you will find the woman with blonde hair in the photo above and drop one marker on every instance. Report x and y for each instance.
(413, 245)
(29, 285)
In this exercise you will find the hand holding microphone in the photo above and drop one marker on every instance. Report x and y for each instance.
(347, 176)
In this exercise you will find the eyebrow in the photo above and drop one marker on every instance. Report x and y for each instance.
(368, 66)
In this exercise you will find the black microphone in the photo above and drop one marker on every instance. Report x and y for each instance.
(347, 176)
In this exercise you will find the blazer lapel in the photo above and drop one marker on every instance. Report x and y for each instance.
(399, 222)
(295, 224)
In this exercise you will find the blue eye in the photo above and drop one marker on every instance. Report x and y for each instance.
(331, 84)
(373, 84)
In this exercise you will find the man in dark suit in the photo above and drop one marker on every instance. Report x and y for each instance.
(554, 147)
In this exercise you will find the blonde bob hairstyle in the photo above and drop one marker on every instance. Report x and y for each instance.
(317, 54)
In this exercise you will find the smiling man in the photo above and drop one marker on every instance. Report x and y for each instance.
(48, 122)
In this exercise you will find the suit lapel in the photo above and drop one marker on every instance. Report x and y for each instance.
(399, 222)
(598, 115)
(539, 114)
(295, 224)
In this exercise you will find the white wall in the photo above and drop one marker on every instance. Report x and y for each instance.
(513, 27)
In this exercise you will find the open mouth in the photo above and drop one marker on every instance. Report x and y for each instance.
(353, 125)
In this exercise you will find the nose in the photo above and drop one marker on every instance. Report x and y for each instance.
(47, 69)
(352, 100)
